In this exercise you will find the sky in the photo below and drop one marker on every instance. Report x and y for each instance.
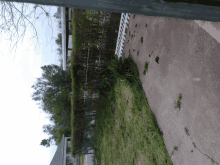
(21, 120)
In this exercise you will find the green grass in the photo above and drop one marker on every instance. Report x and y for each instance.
(194, 144)
(186, 130)
(89, 15)
(129, 129)
(145, 67)
(123, 55)
(81, 159)
(178, 105)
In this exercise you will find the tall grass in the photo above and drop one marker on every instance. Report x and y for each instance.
(126, 128)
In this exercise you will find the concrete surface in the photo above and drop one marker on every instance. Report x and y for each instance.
(189, 64)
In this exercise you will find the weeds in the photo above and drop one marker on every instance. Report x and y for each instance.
(194, 145)
(179, 103)
(111, 138)
(186, 130)
(145, 68)
(141, 39)
(157, 59)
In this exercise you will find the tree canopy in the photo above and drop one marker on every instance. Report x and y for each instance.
(52, 94)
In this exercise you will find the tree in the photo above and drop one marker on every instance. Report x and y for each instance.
(56, 131)
(51, 90)
(58, 41)
(49, 86)
(50, 130)
(15, 20)
(47, 142)
(57, 15)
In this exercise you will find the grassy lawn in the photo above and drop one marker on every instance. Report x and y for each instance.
(81, 160)
(126, 129)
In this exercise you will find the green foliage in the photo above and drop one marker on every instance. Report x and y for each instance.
(57, 15)
(60, 132)
(145, 68)
(45, 143)
(115, 41)
(51, 90)
(78, 39)
(59, 40)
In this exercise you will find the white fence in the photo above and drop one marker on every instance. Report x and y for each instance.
(121, 34)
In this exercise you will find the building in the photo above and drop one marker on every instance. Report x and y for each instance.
(63, 154)
(66, 15)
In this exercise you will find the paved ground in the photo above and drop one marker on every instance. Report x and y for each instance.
(189, 64)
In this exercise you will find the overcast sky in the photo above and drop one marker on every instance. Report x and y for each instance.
(21, 120)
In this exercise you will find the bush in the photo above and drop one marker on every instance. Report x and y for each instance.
(117, 68)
